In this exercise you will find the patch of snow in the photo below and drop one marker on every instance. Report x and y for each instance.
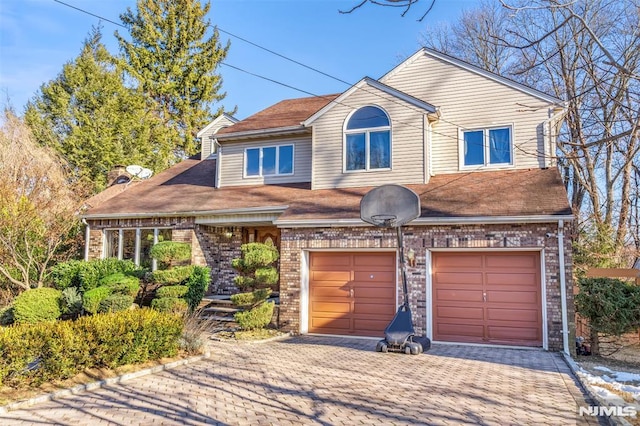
(626, 377)
(601, 368)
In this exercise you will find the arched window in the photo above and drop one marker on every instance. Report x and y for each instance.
(367, 140)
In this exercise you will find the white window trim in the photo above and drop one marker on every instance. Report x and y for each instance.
(137, 243)
(366, 131)
(261, 148)
(487, 153)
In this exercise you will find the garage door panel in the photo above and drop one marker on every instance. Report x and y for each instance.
(372, 309)
(444, 312)
(384, 293)
(459, 277)
(512, 297)
(459, 261)
(512, 279)
(453, 331)
(327, 323)
(374, 276)
(530, 316)
(324, 292)
(503, 307)
(369, 327)
(448, 295)
(514, 334)
(336, 276)
(322, 308)
(331, 261)
(511, 261)
(379, 261)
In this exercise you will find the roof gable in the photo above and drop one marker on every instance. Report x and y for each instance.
(223, 120)
(471, 68)
(377, 85)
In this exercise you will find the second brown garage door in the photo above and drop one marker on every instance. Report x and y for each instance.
(351, 293)
(487, 298)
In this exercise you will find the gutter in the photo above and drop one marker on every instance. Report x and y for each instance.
(196, 213)
(262, 132)
(563, 288)
(476, 220)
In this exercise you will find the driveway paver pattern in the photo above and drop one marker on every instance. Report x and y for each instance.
(333, 381)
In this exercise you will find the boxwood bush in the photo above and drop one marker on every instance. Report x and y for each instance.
(172, 291)
(173, 276)
(115, 303)
(38, 304)
(33, 353)
(91, 299)
(258, 317)
(252, 298)
(170, 253)
(86, 276)
(198, 282)
(173, 305)
(121, 283)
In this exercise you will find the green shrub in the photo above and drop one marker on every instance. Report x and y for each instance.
(33, 353)
(198, 282)
(115, 303)
(173, 276)
(121, 284)
(251, 298)
(258, 317)
(171, 252)
(6, 315)
(256, 268)
(66, 274)
(71, 302)
(38, 304)
(172, 291)
(92, 298)
(173, 305)
(93, 271)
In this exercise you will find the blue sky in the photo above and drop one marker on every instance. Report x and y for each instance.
(38, 36)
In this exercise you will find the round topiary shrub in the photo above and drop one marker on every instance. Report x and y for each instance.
(38, 304)
(171, 253)
(92, 298)
(172, 291)
(174, 305)
(121, 284)
(256, 318)
(116, 303)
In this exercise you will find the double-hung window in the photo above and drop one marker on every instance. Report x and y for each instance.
(268, 161)
(487, 147)
(367, 140)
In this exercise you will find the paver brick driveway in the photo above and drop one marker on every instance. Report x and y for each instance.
(332, 381)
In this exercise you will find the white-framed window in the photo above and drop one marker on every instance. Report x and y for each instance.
(491, 146)
(268, 161)
(367, 140)
(134, 244)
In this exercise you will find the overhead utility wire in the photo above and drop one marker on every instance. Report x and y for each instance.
(537, 154)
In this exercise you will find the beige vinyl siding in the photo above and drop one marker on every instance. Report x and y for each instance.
(471, 101)
(232, 162)
(407, 143)
(206, 147)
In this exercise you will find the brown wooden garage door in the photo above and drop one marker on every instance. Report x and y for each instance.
(487, 298)
(351, 293)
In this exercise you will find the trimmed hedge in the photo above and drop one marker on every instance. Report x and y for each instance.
(34, 353)
(91, 299)
(86, 276)
(115, 303)
(38, 304)
(258, 317)
(251, 298)
(173, 305)
(122, 284)
(198, 282)
(173, 276)
(172, 291)
(169, 252)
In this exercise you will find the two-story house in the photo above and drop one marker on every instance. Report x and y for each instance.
(489, 258)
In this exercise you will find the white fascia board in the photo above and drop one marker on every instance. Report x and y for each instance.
(217, 120)
(423, 221)
(477, 70)
(377, 85)
(262, 132)
(248, 210)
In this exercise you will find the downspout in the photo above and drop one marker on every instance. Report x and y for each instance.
(218, 175)
(87, 235)
(563, 288)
